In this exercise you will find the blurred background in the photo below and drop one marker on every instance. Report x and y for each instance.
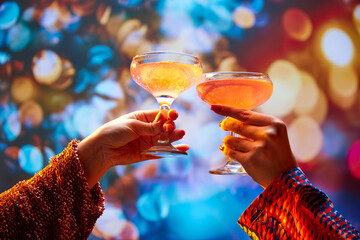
(64, 68)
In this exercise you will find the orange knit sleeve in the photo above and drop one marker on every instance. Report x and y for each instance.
(56, 203)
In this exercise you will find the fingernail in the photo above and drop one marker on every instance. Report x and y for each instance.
(221, 147)
(220, 123)
(216, 107)
(159, 118)
(175, 115)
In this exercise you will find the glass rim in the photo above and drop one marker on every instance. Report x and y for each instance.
(240, 73)
(166, 53)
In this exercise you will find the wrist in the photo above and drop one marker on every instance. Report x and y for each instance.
(91, 159)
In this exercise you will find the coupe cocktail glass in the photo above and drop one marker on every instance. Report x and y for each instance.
(165, 75)
(235, 89)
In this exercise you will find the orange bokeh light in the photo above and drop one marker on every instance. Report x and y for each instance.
(297, 24)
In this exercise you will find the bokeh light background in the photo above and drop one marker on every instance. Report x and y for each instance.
(64, 69)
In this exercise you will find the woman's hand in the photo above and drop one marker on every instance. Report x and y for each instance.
(122, 140)
(264, 151)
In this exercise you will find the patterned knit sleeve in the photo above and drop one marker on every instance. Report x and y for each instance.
(56, 203)
(292, 208)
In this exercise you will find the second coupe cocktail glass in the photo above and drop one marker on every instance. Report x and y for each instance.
(165, 75)
(235, 89)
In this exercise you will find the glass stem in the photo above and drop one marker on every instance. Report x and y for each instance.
(164, 136)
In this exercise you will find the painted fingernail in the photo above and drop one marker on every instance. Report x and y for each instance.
(221, 147)
(159, 118)
(216, 107)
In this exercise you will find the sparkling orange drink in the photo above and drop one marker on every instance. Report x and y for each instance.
(235, 92)
(234, 89)
(165, 75)
(166, 80)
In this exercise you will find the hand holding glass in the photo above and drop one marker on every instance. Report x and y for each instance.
(165, 75)
(235, 89)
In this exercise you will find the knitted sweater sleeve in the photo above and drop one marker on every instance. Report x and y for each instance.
(292, 208)
(56, 203)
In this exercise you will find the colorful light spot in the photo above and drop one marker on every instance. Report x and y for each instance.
(305, 138)
(176, 167)
(343, 86)
(337, 47)
(297, 24)
(31, 114)
(356, 17)
(308, 95)
(320, 110)
(262, 19)
(49, 153)
(153, 206)
(111, 223)
(87, 118)
(4, 57)
(30, 159)
(18, 37)
(50, 17)
(203, 148)
(12, 125)
(257, 5)
(218, 17)
(47, 67)
(244, 17)
(23, 88)
(197, 40)
(335, 142)
(67, 76)
(286, 79)
(99, 54)
(353, 159)
(9, 13)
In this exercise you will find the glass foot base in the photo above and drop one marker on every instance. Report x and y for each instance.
(230, 169)
(165, 151)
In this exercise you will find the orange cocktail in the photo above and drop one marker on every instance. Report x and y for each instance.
(166, 80)
(165, 75)
(240, 93)
(235, 89)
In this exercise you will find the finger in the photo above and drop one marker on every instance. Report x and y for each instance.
(244, 115)
(145, 116)
(146, 129)
(245, 130)
(152, 115)
(169, 126)
(236, 155)
(238, 144)
(177, 135)
(182, 147)
(173, 115)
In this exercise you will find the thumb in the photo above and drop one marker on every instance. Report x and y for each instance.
(149, 129)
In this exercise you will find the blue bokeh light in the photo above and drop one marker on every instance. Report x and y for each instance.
(334, 141)
(256, 5)
(100, 54)
(153, 206)
(4, 58)
(30, 159)
(9, 13)
(28, 14)
(12, 124)
(262, 19)
(46, 39)
(18, 37)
